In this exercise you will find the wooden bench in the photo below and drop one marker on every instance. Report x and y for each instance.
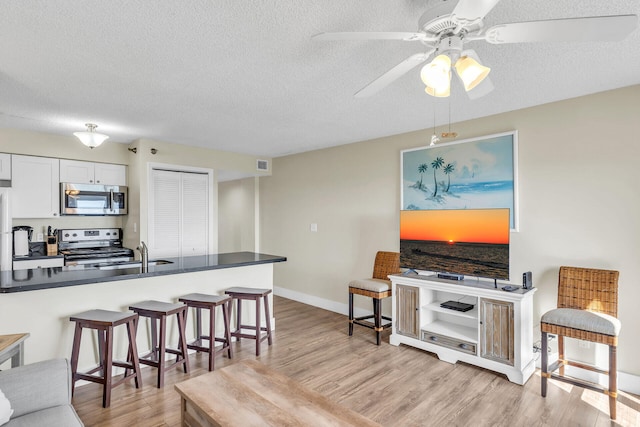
(249, 393)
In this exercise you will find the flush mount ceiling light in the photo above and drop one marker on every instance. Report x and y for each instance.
(91, 138)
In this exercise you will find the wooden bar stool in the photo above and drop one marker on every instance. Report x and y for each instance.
(159, 311)
(210, 302)
(103, 321)
(239, 294)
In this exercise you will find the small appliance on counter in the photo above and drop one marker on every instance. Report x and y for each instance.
(21, 239)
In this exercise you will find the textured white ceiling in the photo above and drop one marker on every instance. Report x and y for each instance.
(245, 76)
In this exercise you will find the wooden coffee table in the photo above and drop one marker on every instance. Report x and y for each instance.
(12, 347)
(249, 393)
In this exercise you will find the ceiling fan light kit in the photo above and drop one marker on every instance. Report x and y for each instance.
(471, 72)
(91, 138)
(447, 25)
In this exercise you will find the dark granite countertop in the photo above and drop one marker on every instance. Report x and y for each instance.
(47, 278)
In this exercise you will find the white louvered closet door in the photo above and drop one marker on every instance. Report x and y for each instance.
(178, 217)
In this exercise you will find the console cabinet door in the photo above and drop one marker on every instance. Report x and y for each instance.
(408, 310)
(497, 331)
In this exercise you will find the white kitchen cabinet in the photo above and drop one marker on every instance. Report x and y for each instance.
(5, 166)
(79, 172)
(38, 263)
(35, 186)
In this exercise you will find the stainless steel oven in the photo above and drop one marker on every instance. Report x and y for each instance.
(93, 199)
(92, 246)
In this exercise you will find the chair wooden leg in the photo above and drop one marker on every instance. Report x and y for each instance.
(212, 338)
(544, 365)
(106, 367)
(238, 319)
(182, 340)
(377, 313)
(258, 327)
(613, 381)
(161, 349)
(350, 314)
(132, 327)
(75, 351)
(226, 312)
(267, 318)
(561, 355)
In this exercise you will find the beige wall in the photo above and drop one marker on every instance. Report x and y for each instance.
(236, 213)
(579, 205)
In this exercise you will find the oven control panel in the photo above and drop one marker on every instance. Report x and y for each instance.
(89, 234)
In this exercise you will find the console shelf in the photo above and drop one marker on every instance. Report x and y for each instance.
(435, 306)
(497, 334)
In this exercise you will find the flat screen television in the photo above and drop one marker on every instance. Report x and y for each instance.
(472, 242)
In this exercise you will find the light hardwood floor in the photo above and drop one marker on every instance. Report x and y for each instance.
(394, 386)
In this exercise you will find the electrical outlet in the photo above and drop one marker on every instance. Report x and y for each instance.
(313, 227)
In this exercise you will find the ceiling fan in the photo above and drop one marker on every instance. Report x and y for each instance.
(447, 26)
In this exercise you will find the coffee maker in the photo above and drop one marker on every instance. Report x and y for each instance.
(21, 238)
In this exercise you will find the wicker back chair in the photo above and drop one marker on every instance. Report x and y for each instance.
(587, 310)
(377, 288)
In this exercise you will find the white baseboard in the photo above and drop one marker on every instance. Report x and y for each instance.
(627, 382)
(315, 301)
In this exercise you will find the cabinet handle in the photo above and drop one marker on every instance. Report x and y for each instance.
(433, 338)
(55, 214)
(91, 180)
(98, 181)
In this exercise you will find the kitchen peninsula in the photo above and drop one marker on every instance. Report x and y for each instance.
(42, 302)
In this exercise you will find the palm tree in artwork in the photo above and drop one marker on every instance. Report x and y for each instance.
(422, 169)
(436, 164)
(447, 170)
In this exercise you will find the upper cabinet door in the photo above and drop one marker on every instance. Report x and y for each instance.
(109, 174)
(77, 172)
(35, 187)
(5, 166)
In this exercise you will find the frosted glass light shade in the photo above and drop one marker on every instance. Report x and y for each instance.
(90, 138)
(471, 72)
(443, 93)
(437, 73)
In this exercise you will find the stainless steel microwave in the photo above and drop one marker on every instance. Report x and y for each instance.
(93, 199)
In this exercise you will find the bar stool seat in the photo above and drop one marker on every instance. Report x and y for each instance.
(239, 294)
(210, 302)
(103, 321)
(159, 311)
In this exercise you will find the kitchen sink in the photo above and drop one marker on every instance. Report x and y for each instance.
(131, 264)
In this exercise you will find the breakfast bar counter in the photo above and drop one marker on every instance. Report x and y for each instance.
(42, 302)
(55, 277)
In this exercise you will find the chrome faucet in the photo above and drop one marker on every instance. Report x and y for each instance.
(144, 252)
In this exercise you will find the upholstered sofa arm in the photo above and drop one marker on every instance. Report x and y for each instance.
(37, 386)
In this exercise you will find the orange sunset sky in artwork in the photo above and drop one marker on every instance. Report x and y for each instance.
(468, 225)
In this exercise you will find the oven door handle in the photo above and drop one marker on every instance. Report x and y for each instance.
(111, 201)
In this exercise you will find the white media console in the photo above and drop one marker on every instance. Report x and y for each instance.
(497, 334)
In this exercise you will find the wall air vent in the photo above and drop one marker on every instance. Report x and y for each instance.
(262, 165)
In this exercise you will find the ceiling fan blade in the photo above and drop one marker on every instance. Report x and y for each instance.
(373, 36)
(393, 74)
(597, 28)
(468, 12)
